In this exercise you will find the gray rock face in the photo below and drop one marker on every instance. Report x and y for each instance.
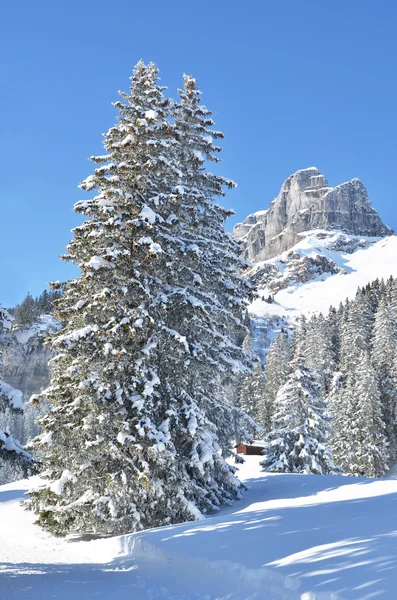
(305, 203)
(25, 366)
(25, 358)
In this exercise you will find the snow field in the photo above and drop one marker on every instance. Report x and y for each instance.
(291, 537)
(363, 266)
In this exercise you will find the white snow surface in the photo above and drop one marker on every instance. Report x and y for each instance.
(377, 260)
(44, 324)
(291, 537)
(14, 396)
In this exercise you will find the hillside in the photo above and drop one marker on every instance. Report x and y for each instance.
(322, 270)
(291, 537)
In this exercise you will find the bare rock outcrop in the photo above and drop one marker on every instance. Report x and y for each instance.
(305, 203)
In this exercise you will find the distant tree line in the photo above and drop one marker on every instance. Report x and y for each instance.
(26, 313)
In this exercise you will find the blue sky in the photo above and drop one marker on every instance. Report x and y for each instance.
(294, 84)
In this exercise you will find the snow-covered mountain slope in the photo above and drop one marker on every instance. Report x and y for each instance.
(323, 269)
(44, 324)
(292, 537)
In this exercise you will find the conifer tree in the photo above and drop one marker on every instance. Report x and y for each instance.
(250, 387)
(334, 333)
(358, 432)
(355, 336)
(342, 404)
(138, 432)
(253, 394)
(298, 441)
(337, 407)
(25, 313)
(392, 301)
(383, 353)
(276, 374)
(367, 426)
(319, 351)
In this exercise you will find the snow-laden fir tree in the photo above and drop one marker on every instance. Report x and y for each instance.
(298, 441)
(337, 407)
(11, 451)
(367, 426)
(251, 385)
(392, 300)
(213, 271)
(358, 436)
(333, 320)
(355, 336)
(319, 350)
(276, 374)
(253, 393)
(138, 433)
(384, 349)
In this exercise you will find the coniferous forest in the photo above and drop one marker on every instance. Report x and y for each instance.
(329, 388)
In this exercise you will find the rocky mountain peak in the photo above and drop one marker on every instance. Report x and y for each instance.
(306, 202)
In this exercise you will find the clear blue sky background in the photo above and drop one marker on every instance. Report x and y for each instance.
(294, 84)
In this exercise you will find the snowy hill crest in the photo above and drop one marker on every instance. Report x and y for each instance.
(322, 270)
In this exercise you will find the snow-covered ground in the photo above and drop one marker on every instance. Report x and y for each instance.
(292, 537)
(45, 323)
(364, 265)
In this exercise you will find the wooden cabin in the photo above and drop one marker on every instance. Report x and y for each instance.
(250, 449)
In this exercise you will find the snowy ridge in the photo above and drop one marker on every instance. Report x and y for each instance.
(14, 396)
(350, 262)
(45, 323)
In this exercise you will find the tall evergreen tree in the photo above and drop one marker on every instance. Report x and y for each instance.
(25, 313)
(358, 439)
(383, 353)
(252, 395)
(337, 407)
(367, 426)
(276, 374)
(355, 336)
(319, 350)
(298, 441)
(138, 433)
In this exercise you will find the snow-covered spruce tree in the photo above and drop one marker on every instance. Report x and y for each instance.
(211, 272)
(384, 347)
(137, 433)
(355, 336)
(298, 441)
(319, 351)
(276, 374)
(11, 451)
(334, 333)
(392, 298)
(358, 436)
(250, 387)
(252, 395)
(366, 426)
(337, 408)
(342, 405)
